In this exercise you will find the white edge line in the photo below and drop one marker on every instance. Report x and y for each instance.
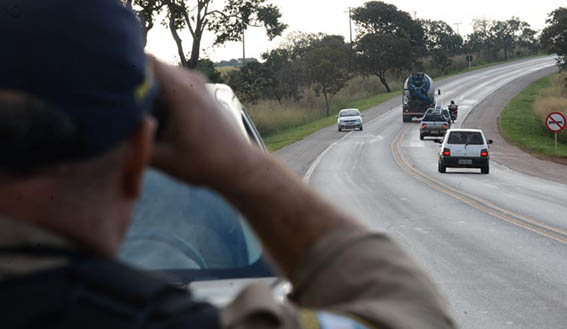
(315, 163)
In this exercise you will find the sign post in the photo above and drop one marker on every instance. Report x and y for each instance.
(469, 60)
(555, 122)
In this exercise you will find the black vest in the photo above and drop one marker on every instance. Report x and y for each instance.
(99, 294)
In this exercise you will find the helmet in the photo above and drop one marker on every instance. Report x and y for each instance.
(452, 102)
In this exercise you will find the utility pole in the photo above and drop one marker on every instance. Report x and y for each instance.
(243, 49)
(243, 44)
(458, 27)
(415, 15)
(350, 24)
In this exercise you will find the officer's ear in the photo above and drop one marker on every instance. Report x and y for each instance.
(137, 156)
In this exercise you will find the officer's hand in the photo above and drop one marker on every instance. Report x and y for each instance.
(199, 145)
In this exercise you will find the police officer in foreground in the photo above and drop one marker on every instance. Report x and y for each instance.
(75, 138)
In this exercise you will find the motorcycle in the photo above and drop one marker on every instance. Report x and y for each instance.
(453, 110)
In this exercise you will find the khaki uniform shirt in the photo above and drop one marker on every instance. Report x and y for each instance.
(351, 279)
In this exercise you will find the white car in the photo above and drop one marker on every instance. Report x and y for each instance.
(349, 119)
(193, 235)
(464, 148)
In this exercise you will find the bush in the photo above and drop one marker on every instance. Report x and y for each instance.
(271, 117)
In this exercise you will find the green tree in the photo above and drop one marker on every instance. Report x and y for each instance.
(326, 63)
(441, 42)
(207, 68)
(146, 10)
(287, 71)
(507, 34)
(474, 44)
(389, 40)
(239, 15)
(482, 39)
(378, 54)
(228, 24)
(378, 17)
(251, 82)
(554, 36)
(529, 40)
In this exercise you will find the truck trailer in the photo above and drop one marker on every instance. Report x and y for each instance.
(418, 96)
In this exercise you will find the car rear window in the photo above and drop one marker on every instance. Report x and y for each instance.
(434, 117)
(465, 137)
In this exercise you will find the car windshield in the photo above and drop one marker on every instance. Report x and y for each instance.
(191, 233)
(350, 113)
(465, 137)
(434, 117)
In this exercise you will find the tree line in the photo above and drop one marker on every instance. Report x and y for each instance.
(235, 62)
(389, 41)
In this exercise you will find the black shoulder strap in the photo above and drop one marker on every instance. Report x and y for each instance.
(101, 294)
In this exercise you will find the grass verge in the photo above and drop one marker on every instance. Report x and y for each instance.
(521, 127)
(291, 135)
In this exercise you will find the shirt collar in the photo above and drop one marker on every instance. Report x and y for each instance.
(16, 233)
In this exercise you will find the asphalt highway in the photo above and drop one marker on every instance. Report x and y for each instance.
(496, 244)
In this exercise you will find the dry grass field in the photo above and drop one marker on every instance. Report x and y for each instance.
(553, 99)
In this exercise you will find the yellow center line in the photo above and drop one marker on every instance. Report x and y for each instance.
(474, 201)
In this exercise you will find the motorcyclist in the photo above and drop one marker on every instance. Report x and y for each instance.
(454, 110)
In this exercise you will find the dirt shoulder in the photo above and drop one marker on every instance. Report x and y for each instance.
(485, 116)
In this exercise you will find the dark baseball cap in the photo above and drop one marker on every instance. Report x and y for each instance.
(85, 58)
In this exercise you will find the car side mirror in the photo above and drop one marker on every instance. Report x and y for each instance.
(438, 91)
(490, 141)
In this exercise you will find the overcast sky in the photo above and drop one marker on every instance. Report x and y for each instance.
(331, 17)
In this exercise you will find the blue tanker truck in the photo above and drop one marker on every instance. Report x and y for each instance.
(418, 96)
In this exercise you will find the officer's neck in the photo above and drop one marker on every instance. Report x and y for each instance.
(94, 220)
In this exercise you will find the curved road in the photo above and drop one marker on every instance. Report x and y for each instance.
(496, 244)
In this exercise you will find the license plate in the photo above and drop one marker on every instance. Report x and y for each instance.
(465, 162)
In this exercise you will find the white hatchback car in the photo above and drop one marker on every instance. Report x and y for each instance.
(464, 148)
(349, 119)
